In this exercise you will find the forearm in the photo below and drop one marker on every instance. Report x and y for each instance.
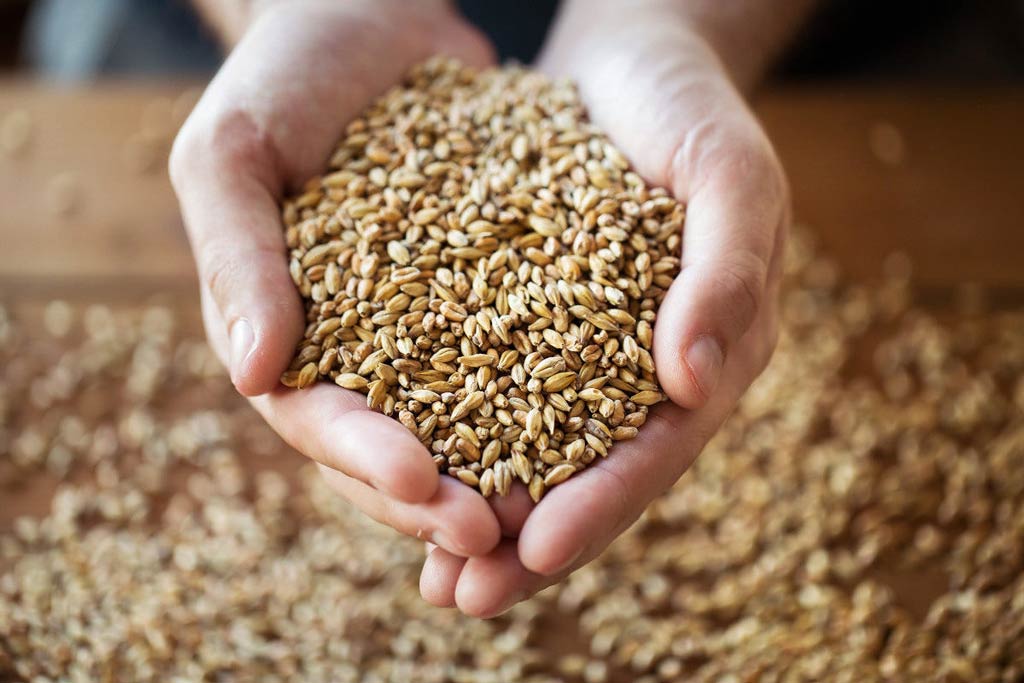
(746, 36)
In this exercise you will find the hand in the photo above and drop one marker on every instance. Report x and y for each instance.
(664, 96)
(267, 123)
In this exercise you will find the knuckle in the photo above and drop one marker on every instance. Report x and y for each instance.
(219, 273)
(243, 272)
(751, 163)
(740, 282)
(180, 157)
(220, 140)
(620, 499)
(240, 139)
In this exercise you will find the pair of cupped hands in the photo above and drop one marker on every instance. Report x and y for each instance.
(269, 121)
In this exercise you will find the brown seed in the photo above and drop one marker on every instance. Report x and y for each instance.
(496, 315)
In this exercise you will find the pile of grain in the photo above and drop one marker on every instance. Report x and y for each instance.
(484, 266)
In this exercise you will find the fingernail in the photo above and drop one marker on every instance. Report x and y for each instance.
(242, 339)
(442, 539)
(705, 360)
(511, 602)
(568, 563)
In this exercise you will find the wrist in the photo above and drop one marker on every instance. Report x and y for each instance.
(231, 19)
(747, 35)
(743, 37)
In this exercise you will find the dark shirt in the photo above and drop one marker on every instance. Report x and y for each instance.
(947, 40)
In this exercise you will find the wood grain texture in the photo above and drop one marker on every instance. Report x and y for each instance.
(955, 204)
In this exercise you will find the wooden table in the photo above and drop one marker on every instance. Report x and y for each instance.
(89, 215)
(935, 175)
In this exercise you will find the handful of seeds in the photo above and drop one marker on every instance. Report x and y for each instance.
(481, 262)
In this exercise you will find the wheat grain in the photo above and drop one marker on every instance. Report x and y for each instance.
(481, 262)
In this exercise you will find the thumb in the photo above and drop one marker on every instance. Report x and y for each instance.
(737, 205)
(667, 102)
(238, 242)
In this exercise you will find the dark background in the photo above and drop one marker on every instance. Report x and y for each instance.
(948, 41)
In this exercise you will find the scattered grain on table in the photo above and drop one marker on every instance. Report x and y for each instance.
(858, 518)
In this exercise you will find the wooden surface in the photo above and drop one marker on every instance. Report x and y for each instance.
(934, 175)
(954, 202)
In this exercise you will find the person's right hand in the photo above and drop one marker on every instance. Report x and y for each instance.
(267, 123)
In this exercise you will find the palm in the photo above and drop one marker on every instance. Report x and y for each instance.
(268, 123)
(674, 116)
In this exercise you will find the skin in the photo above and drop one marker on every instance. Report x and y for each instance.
(667, 88)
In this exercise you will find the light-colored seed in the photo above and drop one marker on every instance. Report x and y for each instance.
(423, 395)
(534, 423)
(486, 482)
(544, 226)
(453, 311)
(467, 405)
(536, 488)
(486, 272)
(477, 360)
(491, 453)
(523, 468)
(307, 375)
(558, 474)
(548, 367)
(559, 381)
(646, 398)
(350, 380)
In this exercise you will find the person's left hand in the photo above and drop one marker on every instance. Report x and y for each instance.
(662, 93)
(267, 123)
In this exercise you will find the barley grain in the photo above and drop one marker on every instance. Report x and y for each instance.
(483, 281)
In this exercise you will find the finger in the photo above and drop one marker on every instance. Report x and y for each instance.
(665, 99)
(236, 235)
(216, 334)
(456, 518)
(489, 585)
(439, 577)
(599, 501)
(576, 520)
(230, 162)
(331, 57)
(734, 218)
(333, 427)
(512, 510)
